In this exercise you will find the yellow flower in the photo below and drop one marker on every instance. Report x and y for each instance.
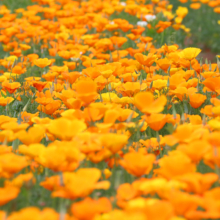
(11, 58)
(190, 53)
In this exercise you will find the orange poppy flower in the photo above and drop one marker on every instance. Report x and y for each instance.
(11, 87)
(156, 121)
(86, 91)
(58, 156)
(107, 173)
(7, 135)
(196, 149)
(162, 25)
(184, 203)
(66, 129)
(50, 108)
(92, 207)
(42, 62)
(211, 158)
(75, 185)
(138, 164)
(18, 70)
(183, 93)
(21, 179)
(7, 194)
(183, 165)
(196, 100)
(164, 64)
(33, 135)
(145, 60)
(46, 213)
(11, 164)
(32, 151)
(197, 182)
(14, 126)
(190, 53)
(195, 6)
(145, 102)
(159, 84)
(6, 101)
(212, 84)
(72, 103)
(114, 142)
(39, 85)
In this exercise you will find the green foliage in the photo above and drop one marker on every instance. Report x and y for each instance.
(203, 22)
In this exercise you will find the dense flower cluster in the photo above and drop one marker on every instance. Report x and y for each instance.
(101, 117)
(215, 4)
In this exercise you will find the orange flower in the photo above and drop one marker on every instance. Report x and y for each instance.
(183, 93)
(125, 192)
(42, 62)
(45, 214)
(44, 98)
(114, 142)
(21, 179)
(138, 164)
(71, 76)
(175, 164)
(184, 203)
(212, 157)
(57, 156)
(86, 91)
(7, 135)
(197, 182)
(11, 87)
(50, 108)
(151, 207)
(164, 64)
(92, 207)
(11, 163)
(2, 215)
(14, 126)
(189, 53)
(156, 121)
(5, 101)
(107, 173)
(24, 47)
(212, 84)
(66, 129)
(33, 135)
(195, 6)
(75, 185)
(162, 25)
(145, 102)
(145, 60)
(39, 85)
(159, 84)
(18, 70)
(73, 103)
(7, 194)
(196, 100)
(196, 150)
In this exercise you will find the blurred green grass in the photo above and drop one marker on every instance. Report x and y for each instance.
(15, 4)
(203, 22)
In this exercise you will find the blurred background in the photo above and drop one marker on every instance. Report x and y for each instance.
(203, 19)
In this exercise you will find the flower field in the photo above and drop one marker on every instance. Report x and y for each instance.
(106, 114)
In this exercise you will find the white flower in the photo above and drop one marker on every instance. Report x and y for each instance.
(150, 17)
(123, 3)
(74, 59)
(142, 23)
